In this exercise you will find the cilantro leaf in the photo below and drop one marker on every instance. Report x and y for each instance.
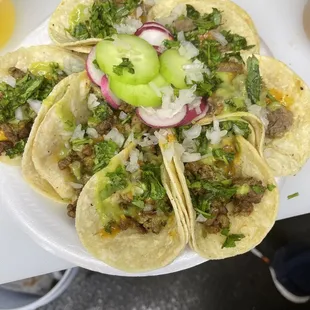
(17, 149)
(226, 157)
(271, 187)
(104, 151)
(155, 188)
(293, 195)
(118, 180)
(209, 21)
(126, 64)
(235, 41)
(253, 80)
(231, 240)
(192, 12)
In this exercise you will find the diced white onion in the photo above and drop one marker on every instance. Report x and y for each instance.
(19, 115)
(128, 26)
(219, 37)
(92, 132)
(122, 115)
(190, 157)
(92, 101)
(215, 135)
(76, 185)
(193, 133)
(189, 145)
(201, 219)
(8, 80)
(178, 10)
(35, 105)
(78, 133)
(139, 12)
(148, 208)
(149, 140)
(133, 165)
(181, 36)
(115, 136)
(188, 50)
(237, 130)
(194, 72)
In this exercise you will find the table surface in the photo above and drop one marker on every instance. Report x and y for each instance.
(281, 28)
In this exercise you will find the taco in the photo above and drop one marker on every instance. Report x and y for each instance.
(211, 20)
(126, 214)
(78, 137)
(281, 104)
(229, 193)
(27, 77)
(79, 25)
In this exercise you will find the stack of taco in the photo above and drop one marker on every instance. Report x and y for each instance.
(173, 134)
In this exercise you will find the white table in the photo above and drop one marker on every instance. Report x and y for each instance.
(279, 24)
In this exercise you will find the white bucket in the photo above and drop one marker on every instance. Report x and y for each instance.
(21, 301)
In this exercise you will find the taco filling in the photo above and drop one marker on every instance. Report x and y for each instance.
(21, 96)
(95, 142)
(106, 17)
(134, 196)
(212, 180)
(245, 91)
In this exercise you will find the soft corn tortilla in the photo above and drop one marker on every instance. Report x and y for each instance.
(234, 17)
(24, 57)
(287, 155)
(52, 135)
(59, 22)
(257, 136)
(128, 250)
(254, 227)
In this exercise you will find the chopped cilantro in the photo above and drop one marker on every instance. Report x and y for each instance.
(293, 195)
(17, 149)
(103, 15)
(235, 41)
(192, 12)
(205, 214)
(271, 187)
(208, 21)
(126, 64)
(171, 44)
(225, 231)
(253, 80)
(138, 203)
(258, 189)
(118, 180)
(28, 86)
(78, 144)
(230, 241)
(104, 151)
(156, 190)
(226, 157)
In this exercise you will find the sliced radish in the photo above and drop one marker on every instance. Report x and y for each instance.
(153, 35)
(196, 113)
(94, 73)
(112, 100)
(154, 24)
(154, 118)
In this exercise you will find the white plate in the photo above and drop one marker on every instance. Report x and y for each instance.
(47, 222)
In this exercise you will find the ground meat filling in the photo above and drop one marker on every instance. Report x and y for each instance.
(280, 121)
(185, 24)
(231, 67)
(246, 192)
(216, 105)
(13, 134)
